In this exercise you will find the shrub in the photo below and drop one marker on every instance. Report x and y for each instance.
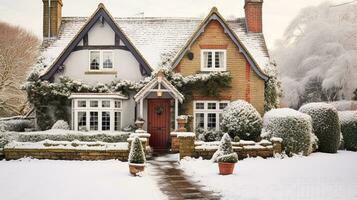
(241, 119)
(293, 127)
(6, 137)
(208, 136)
(67, 135)
(326, 125)
(16, 125)
(61, 124)
(136, 154)
(225, 151)
(348, 120)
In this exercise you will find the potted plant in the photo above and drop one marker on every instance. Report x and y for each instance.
(136, 157)
(225, 156)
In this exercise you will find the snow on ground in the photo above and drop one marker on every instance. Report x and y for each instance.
(57, 180)
(317, 177)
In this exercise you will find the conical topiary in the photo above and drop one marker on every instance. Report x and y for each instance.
(136, 154)
(225, 151)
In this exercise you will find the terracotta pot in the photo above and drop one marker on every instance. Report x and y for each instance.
(226, 168)
(136, 168)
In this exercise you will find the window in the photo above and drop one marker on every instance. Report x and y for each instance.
(99, 115)
(213, 60)
(101, 60)
(208, 114)
(93, 121)
(105, 121)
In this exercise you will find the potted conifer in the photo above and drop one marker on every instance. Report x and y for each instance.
(136, 157)
(225, 156)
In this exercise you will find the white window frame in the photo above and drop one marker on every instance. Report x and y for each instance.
(205, 69)
(101, 53)
(98, 109)
(206, 111)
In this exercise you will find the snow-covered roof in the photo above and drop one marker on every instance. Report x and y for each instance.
(155, 37)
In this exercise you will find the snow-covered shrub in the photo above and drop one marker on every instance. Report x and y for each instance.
(208, 135)
(272, 92)
(16, 125)
(326, 125)
(6, 137)
(68, 135)
(348, 120)
(344, 105)
(241, 119)
(225, 151)
(293, 127)
(136, 154)
(61, 124)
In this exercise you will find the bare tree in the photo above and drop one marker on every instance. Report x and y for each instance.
(18, 52)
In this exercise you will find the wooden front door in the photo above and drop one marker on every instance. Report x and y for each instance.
(159, 123)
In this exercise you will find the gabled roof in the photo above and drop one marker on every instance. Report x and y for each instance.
(215, 15)
(100, 14)
(155, 37)
(150, 85)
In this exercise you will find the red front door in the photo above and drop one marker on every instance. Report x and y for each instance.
(159, 123)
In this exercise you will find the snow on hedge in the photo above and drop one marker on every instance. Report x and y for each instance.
(241, 119)
(293, 127)
(70, 135)
(348, 120)
(78, 145)
(326, 125)
(344, 105)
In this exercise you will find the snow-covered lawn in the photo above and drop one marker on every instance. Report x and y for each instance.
(317, 177)
(58, 180)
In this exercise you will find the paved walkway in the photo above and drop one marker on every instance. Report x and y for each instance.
(174, 183)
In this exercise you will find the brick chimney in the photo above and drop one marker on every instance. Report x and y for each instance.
(52, 17)
(254, 15)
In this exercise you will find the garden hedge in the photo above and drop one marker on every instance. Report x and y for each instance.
(326, 125)
(348, 120)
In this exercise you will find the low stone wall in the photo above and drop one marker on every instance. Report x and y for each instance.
(244, 149)
(66, 154)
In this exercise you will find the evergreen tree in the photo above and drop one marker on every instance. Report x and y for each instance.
(136, 154)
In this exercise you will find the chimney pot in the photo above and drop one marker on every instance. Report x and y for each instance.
(254, 15)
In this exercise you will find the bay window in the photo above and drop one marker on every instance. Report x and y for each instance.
(207, 114)
(96, 114)
(213, 60)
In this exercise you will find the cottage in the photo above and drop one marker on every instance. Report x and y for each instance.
(109, 67)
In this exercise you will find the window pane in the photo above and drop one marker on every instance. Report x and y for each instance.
(105, 121)
(211, 121)
(117, 104)
(207, 57)
(93, 121)
(219, 58)
(94, 60)
(199, 117)
(222, 105)
(105, 104)
(117, 121)
(107, 60)
(94, 104)
(200, 106)
(81, 104)
(211, 106)
(82, 121)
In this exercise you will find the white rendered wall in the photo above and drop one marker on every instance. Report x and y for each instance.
(101, 34)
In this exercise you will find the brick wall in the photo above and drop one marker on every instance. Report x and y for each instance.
(245, 83)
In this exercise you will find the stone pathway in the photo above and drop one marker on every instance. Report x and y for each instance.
(174, 183)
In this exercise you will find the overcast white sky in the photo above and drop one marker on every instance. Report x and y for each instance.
(277, 13)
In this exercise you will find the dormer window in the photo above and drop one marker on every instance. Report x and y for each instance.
(101, 60)
(213, 60)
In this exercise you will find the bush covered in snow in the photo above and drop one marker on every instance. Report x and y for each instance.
(344, 105)
(293, 127)
(241, 119)
(208, 135)
(225, 151)
(348, 120)
(16, 125)
(61, 124)
(7, 137)
(136, 155)
(67, 135)
(326, 125)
